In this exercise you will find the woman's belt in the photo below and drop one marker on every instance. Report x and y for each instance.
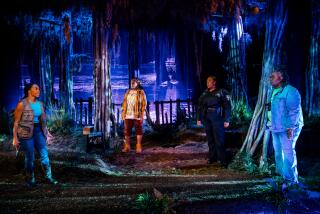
(213, 109)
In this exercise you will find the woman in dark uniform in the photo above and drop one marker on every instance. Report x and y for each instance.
(214, 112)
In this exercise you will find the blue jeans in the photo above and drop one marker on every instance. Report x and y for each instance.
(285, 154)
(38, 142)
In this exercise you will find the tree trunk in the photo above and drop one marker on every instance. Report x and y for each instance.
(102, 82)
(198, 53)
(237, 78)
(276, 20)
(133, 54)
(66, 77)
(46, 73)
(312, 103)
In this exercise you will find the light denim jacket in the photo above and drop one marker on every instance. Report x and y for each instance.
(286, 111)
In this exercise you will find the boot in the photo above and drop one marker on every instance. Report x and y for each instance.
(138, 148)
(30, 179)
(126, 147)
(47, 172)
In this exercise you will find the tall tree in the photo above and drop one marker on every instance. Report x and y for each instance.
(46, 63)
(312, 103)
(102, 81)
(236, 61)
(66, 76)
(133, 53)
(276, 19)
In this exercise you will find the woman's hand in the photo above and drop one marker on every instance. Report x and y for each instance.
(49, 135)
(16, 143)
(290, 133)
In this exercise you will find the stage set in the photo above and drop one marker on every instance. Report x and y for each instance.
(160, 106)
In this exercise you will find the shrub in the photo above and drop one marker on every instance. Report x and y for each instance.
(59, 121)
(240, 115)
(153, 204)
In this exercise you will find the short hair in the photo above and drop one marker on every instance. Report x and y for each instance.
(283, 72)
(137, 81)
(134, 79)
(212, 77)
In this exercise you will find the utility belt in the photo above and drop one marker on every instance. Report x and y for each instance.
(213, 109)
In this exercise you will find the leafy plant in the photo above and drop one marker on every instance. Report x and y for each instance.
(3, 138)
(6, 121)
(59, 121)
(243, 161)
(153, 204)
(241, 115)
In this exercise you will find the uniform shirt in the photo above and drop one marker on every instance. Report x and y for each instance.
(36, 107)
(219, 99)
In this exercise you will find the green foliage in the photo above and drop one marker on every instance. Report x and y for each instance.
(243, 161)
(6, 121)
(3, 138)
(241, 115)
(151, 204)
(59, 121)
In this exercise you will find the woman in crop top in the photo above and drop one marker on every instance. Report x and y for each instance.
(30, 133)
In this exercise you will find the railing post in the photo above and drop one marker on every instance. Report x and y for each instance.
(81, 107)
(118, 116)
(156, 103)
(170, 111)
(189, 114)
(85, 115)
(178, 109)
(77, 110)
(162, 112)
(178, 105)
(166, 114)
(193, 110)
(90, 103)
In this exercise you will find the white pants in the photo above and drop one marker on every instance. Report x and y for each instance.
(285, 154)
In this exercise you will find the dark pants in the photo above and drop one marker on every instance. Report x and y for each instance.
(215, 136)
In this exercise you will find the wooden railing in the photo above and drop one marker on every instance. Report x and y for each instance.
(162, 112)
(84, 111)
(186, 106)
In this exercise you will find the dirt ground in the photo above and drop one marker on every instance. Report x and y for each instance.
(99, 182)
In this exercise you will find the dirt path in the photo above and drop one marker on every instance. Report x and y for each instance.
(91, 183)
